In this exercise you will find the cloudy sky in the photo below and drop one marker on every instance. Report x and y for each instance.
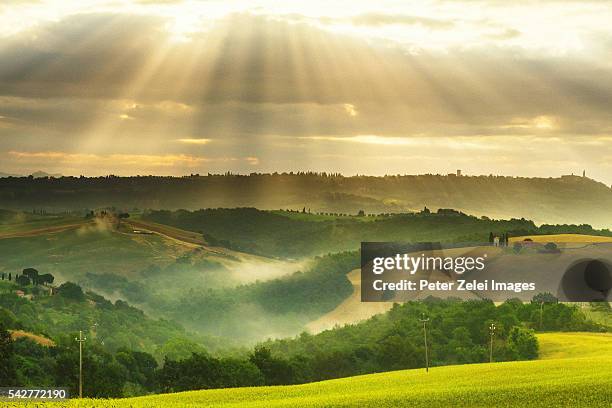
(386, 87)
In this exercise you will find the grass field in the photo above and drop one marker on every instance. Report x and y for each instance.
(563, 238)
(68, 249)
(575, 371)
(28, 225)
(603, 317)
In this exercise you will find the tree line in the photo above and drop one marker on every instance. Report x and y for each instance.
(457, 334)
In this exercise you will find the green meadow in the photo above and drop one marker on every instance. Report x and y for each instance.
(575, 371)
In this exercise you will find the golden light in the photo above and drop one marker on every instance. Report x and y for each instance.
(194, 141)
(544, 122)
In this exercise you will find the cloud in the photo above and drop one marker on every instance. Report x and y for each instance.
(350, 109)
(367, 139)
(378, 19)
(194, 141)
(253, 161)
(120, 163)
(260, 89)
(154, 2)
(505, 34)
(117, 159)
(463, 143)
(19, 2)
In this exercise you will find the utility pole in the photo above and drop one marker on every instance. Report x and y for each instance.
(80, 340)
(424, 321)
(541, 313)
(492, 332)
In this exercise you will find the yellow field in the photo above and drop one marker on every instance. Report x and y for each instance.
(43, 341)
(563, 238)
(576, 371)
(574, 345)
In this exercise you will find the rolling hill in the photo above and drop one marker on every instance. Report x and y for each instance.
(163, 264)
(566, 199)
(575, 371)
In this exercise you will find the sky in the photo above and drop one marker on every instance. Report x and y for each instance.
(176, 87)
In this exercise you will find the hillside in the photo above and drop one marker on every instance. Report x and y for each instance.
(568, 199)
(225, 262)
(289, 234)
(117, 324)
(565, 378)
(157, 270)
(295, 235)
(41, 340)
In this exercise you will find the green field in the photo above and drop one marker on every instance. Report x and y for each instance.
(13, 223)
(599, 315)
(575, 371)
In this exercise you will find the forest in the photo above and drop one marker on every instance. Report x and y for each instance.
(164, 316)
(566, 199)
(458, 333)
(287, 234)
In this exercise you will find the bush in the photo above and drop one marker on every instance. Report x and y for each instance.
(72, 291)
(523, 344)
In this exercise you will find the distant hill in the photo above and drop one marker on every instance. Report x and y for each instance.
(567, 199)
(42, 174)
(36, 174)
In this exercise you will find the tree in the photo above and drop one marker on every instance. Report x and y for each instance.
(240, 373)
(139, 365)
(524, 343)
(8, 319)
(106, 377)
(32, 274)
(45, 279)
(180, 348)
(491, 238)
(72, 291)
(22, 280)
(545, 297)
(275, 370)
(394, 352)
(7, 360)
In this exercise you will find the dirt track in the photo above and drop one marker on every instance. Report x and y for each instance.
(167, 232)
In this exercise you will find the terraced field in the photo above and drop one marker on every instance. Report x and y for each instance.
(575, 371)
